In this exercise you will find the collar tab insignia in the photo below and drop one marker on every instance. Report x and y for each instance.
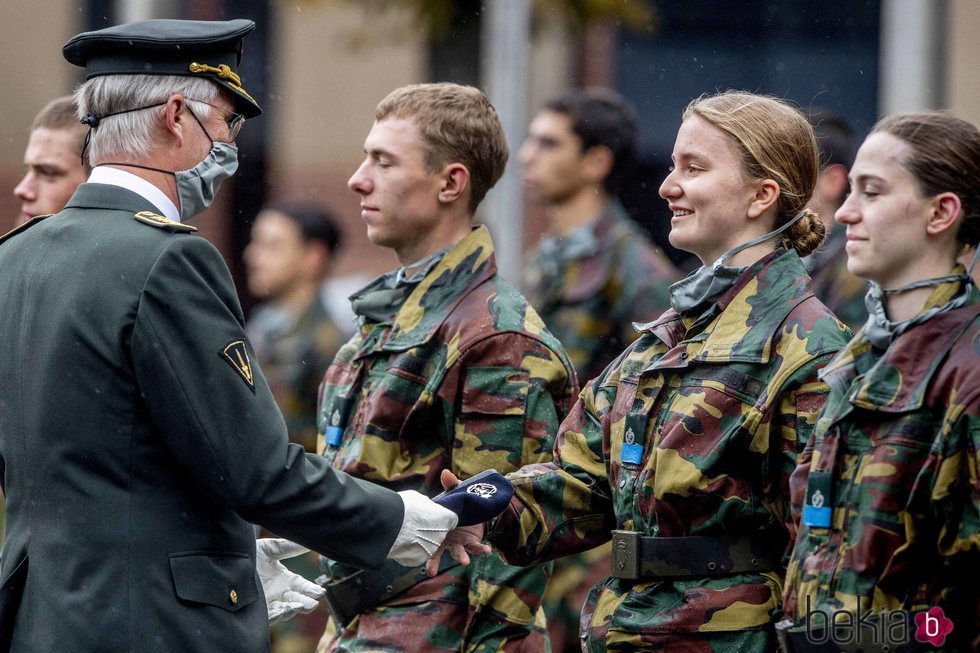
(236, 353)
(161, 222)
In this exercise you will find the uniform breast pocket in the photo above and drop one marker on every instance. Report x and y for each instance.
(712, 407)
(223, 580)
(491, 423)
(897, 469)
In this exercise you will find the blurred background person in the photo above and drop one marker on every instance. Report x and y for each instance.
(594, 273)
(834, 285)
(289, 257)
(592, 276)
(53, 160)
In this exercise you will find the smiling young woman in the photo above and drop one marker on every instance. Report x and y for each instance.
(682, 449)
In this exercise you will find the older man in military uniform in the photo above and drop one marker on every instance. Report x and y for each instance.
(450, 368)
(137, 437)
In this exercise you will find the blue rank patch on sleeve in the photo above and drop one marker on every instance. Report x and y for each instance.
(479, 498)
(818, 507)
(634, 435)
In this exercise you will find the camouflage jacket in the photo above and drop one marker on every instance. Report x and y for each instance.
(833, 284)
(899, 436)
(590, 299)
(294, 352)
(466, 377)
(720, 406)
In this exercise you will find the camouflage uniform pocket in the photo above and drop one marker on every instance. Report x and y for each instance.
(489, 430)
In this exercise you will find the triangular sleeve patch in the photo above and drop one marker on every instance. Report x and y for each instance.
(236, 353)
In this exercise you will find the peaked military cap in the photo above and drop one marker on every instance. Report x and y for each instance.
(192, 48)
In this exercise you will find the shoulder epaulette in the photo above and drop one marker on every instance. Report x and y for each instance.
(24, 227)
(161, 222)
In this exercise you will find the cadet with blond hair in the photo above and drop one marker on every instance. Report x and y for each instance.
(682, 449)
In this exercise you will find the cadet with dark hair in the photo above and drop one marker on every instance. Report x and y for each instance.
(292, 250)
(53, 159)
(137, 437)
(593, 276)
(450, 368)
(682, 449)
(833, 284)
(889, 532)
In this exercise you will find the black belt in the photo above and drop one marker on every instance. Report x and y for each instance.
(363, 590)
(636, 556)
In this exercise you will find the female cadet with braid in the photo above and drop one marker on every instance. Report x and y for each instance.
(682, 449)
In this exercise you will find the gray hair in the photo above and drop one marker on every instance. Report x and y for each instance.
(132, 134)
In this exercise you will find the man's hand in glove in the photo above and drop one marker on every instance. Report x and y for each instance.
(286, 593)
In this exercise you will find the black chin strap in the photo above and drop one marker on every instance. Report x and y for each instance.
(93, 120)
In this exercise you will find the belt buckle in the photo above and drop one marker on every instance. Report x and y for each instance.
(625, 554)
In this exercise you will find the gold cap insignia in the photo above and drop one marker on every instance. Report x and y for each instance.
(236, 353)
(223, 71)
(161, 222)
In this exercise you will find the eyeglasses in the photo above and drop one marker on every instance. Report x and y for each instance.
(232, 119)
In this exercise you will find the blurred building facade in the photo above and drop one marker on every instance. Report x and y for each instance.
(319, 68)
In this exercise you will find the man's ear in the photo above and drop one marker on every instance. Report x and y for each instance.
(766, 195)
(597, 163)
(946, 209)
(175, 118)
(455, 182)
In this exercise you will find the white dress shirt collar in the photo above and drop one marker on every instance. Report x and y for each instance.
(143, 188)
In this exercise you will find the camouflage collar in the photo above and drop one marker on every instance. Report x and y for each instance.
(465, 266)
(605, 231)
(743, 325)
(898, 380)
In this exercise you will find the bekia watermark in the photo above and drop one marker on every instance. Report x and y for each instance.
(883, 630)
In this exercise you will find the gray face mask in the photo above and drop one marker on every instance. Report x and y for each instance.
(197, 186)
(705, 285)
(881, 332)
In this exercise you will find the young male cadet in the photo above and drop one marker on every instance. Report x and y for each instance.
(450, 368)
(53, 160)
(138, 439)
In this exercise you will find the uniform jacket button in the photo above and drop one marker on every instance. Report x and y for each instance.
(233, 597)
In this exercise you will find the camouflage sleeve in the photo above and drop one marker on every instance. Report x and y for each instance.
(511, 398)
(512, 395)
(956, 496)
(564, 506)
(797, 412)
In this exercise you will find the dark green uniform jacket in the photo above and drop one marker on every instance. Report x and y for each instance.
(138, 441)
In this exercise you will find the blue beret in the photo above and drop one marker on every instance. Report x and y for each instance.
(192, 48)
(479, 498)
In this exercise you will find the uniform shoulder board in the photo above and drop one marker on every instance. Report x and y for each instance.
(24, 227)
(160, 222)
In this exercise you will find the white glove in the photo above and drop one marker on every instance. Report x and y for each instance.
(286, 594)
(424, 527)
